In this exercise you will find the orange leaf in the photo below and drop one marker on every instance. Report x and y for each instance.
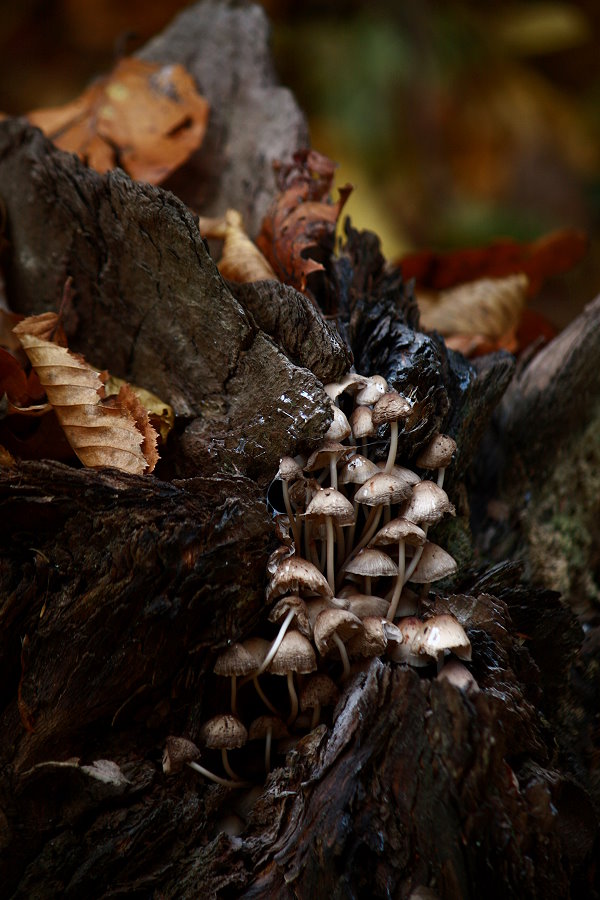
(550, 255)
(145, 117)
(241, 260)
(300, 224)
(488, 307)
(100, 434)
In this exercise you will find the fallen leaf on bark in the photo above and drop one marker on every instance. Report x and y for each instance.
(299, 228)
(550, 255)
(115, 432)
(489, 307)
(241, 260)
(144, 117)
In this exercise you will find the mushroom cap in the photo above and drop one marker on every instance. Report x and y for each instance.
(236, 660)
(427, 504)
(363, 605)
(318, 689)
(372, 641)
(372, 563)
(442, 633)
(295, 575)
(260, 727)
(178, 751)
(357, 470)
(334, 621)
(320, 459)
(294, 654)
(289, 469)
(401, 472)
(375, 387)
(277, 557)
(400, 529)
(438, 453)
(410, 648)
(457, 674)
(318, 604)
(300, 620)
(435, 563)
(361, 422)
(257, 647)
(223, 732)
(332, 503)
(340, 426)
(383, 488)
(350, 383)
(390, 407)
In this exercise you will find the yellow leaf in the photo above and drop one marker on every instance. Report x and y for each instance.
(489, 307)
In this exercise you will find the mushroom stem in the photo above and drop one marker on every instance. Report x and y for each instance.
(293, 699)
(330, 550)
(263, 696)
(368, 532)
(333, 475)
(216, 778)
(227, 767)
(344, 654)
(393, 447)
(399, 582)
(291, 517)
(440, 478)
(275, 645)
(268, 738)
(415, 560)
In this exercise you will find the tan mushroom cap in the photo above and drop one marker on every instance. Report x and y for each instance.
(334, 621)
(457, 674)
(294, 654)
(438, 453)
(340, 426)
(350, 383)
(410, 649)
(257, 647)
(372, 641)
(332, 503)
(428, 503)
(321, 458)
(402, 472)
(390, 408)
(261, 726)
(374, 389)
(318, 690)
(224, 732)
(300, 620)
(178, 751)
(277, 557)
(372, 564)
(442, 633)
(357, 470)
(400, 529)
(363, 605)
(236, 660)
(361, 422)
(289, 469)
(382, 488)
(435, 563)
(295, 575)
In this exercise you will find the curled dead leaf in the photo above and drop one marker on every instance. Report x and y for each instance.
(115, 433)
(488, 307)
(241, 260)
(144, 117)
(299, 227)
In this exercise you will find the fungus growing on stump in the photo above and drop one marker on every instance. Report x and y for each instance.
(295, 654)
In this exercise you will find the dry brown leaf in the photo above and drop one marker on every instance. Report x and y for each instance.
(300, 224)
(488, 308)
(241, 260)
(145, 117)
(100, 434)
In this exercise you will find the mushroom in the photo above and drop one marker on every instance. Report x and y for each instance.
(295, 574)
(288, 609)
(427, 504)
(236, 660)
(224, 732)
(180, 752)
(318, 691)
(410, 648)
(375, 387)
(267, 727)
(457, 674)
(389, 409)
(372, 641)
(444, 632)
(340, 427)
(333, 627)
(399, 531)
(434, 563)
(290, 470)
(350, 382)
(370, 564)
(327, 506)
(378, 491)
(294, 654)
(327, 456)
(437, 455)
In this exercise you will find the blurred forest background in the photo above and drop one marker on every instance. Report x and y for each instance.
(457, 122)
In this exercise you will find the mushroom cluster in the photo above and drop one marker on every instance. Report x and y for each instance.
(354, 535)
